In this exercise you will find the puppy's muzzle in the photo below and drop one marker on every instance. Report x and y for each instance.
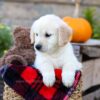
(38, 46)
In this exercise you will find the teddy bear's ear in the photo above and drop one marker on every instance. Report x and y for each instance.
(17, 30)
(20, 29)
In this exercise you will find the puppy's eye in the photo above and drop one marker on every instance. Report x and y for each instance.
(36, 34)
(47, 35)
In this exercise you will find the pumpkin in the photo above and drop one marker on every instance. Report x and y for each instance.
(82, 30)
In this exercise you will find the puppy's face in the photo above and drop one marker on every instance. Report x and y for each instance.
(46, 38)
(49, 33)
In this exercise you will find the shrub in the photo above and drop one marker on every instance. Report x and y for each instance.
(94, 19)
(5, 38)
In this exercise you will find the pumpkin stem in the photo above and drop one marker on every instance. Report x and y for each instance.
(77, 6)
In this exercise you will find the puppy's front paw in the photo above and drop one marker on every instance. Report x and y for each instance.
(49, 79)
(68, 78)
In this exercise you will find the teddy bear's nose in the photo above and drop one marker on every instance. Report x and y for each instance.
(38, 47)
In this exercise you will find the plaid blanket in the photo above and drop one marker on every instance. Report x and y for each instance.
(27, 82)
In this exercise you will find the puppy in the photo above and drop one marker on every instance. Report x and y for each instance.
(51, 38)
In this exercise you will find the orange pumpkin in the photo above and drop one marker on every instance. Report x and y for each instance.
(82, 30)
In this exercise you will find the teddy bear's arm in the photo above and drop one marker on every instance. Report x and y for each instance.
(15, 59)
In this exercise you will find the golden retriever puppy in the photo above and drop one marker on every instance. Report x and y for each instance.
(50, 36)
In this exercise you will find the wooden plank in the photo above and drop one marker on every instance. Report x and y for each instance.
(90, 42)
(90, 48)
(93, 96)
(89, 97)
(92, 2)
(42, 1)
(91, 51)
(91, 73)
(88, 68)
(91, 77)
(83, 2)
(77, 52)
(96, 72)
(97, 94)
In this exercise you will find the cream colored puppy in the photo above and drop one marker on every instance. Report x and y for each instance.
(50, 36)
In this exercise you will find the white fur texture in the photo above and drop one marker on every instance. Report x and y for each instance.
(55, 53)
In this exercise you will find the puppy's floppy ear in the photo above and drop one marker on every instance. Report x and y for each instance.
(32, 36)
(65, 34)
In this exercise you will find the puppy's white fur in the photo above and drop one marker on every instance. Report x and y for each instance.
(56, 52)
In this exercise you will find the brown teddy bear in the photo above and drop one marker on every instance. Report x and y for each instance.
(21, 53)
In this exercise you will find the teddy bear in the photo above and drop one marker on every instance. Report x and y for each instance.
(21, 53)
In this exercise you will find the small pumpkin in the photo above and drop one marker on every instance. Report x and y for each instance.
(82, 30)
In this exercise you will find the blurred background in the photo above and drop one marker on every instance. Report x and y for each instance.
(15, 13)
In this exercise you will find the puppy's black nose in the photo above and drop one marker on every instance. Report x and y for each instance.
(38, 47)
